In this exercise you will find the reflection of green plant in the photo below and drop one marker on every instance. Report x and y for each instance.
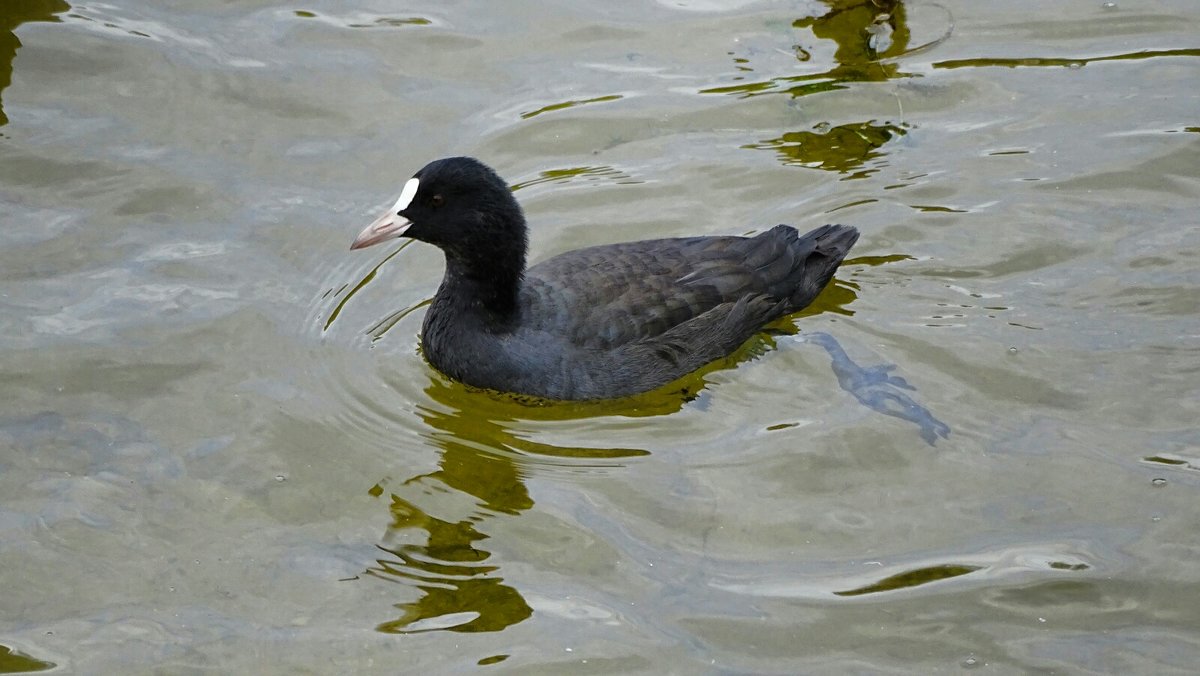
(912, 578)
(13, 13)
(841, 149)
(866, 33)
(479, 458)
(569, 104)
(864, 30)
(13, 662)
(461, 592)
(458, 588)
(596, 173)
(1064, 63)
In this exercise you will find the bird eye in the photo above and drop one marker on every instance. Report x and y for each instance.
(437, 200)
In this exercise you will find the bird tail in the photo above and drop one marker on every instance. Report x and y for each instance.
(823, 250)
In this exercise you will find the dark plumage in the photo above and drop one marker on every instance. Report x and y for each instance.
(596, 323)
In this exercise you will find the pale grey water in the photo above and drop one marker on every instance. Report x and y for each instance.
(217, 456)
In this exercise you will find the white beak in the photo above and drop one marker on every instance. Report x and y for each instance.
(388, 226)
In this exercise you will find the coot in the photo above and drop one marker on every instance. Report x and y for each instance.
(596, 323)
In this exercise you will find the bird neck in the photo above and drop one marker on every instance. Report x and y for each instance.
(486, 284)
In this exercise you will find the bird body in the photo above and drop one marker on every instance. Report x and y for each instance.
(596, 323)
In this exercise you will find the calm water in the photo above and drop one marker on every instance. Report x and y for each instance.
(221, 450)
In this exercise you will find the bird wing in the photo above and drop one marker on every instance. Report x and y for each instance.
(607, 296)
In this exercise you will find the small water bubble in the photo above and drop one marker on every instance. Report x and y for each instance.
(1156, 519)
(1075, 65)
(970, 662)
(281, 478)
(1012, 350)
(1109, 5)
(1158, 482)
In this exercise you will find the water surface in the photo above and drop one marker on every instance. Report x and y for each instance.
(221, 449)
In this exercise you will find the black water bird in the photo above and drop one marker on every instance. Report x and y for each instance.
(596, 323)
